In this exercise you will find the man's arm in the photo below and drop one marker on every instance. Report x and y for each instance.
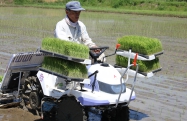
(85, 37)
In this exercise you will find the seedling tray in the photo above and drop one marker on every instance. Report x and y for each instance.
(65, 57)
(62, 76)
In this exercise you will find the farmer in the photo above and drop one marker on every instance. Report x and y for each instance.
(71, 29)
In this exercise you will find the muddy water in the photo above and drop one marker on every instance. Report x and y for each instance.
(160, 98)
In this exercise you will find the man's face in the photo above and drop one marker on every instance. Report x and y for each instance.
(73, 15)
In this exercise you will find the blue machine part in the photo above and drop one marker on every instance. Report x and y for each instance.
(47, 106)
(133, 98)
(89, 86)
(91, 102)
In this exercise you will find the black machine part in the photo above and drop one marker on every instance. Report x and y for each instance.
(68, 109)
(96, 55)
(116, 114)
(34, 100)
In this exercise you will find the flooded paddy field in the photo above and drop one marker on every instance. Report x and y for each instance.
(160, 98)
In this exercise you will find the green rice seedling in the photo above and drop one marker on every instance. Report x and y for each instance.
(140, 44)
(1, 78)
(144, 66)
(65, 67)
(65, 48)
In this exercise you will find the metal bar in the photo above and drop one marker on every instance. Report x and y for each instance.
(121, 84)
(146, 56)
(19, 84)
(157, 70)
(160, 53)
(132, 89)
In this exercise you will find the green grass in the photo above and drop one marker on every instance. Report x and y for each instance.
(144, 66)
(144, 7)
(65, 48)
(65, 67)
(140, 44)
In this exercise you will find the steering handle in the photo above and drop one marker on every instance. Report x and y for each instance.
(95, 55)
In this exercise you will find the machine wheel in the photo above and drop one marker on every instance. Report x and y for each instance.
(122, 114)
(34, 100)
(35, 95)
(34, 85)
(119, 114)
(70, 110)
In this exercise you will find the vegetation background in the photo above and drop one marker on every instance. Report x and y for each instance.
(176, 8)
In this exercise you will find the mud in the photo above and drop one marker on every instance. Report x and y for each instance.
(17, 114)
(160, 98)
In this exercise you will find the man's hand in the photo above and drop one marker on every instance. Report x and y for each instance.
(97, 53)
(96, 50)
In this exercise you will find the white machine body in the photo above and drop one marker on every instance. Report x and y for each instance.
(106, 89)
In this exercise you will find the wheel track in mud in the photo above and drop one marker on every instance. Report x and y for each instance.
(163, 103)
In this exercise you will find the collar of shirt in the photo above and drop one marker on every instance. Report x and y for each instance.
(70, 23)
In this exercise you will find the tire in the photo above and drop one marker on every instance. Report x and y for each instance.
(119, 114)
(35, 95)
(34, 100)
(33, 82)
(70, 110)
(122, 114)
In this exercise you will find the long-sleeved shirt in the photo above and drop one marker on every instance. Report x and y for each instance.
(66, 30)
